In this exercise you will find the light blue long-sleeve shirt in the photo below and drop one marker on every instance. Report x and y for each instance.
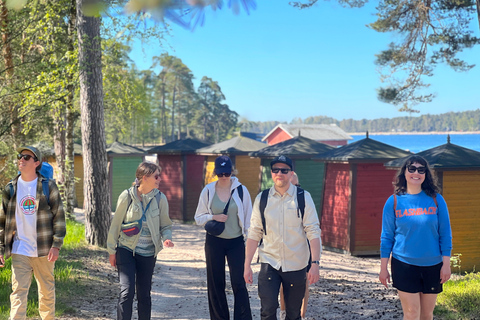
(417, 232)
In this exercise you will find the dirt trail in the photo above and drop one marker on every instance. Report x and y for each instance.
(348, 287)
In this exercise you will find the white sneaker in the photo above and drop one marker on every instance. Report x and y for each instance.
(283, 314)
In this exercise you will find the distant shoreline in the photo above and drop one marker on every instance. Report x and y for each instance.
(414, 132)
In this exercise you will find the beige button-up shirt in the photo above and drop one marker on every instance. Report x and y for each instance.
(285, 244)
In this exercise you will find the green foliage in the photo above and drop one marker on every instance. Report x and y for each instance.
(68, 273)
(456, 262)
(459, 299)
(451, 121)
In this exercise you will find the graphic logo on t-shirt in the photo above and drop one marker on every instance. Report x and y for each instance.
(27, 205)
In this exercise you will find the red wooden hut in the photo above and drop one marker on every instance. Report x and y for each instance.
(458, 172)
(357, 185)
(182, 176)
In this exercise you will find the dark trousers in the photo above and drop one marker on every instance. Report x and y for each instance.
(269, 280)
(216, 249)
(134, 271)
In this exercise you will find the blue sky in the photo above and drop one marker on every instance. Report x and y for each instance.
(279, 63)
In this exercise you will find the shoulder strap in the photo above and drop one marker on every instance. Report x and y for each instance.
(240, 192)
(46, 190)
(263, 205)
(129, 201)
(158, 196)
(301, 201)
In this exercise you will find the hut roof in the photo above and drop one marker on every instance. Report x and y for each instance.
(365, 149)
(447, 155)
(237, 145)
(123, 149)
(179, 146)
(316, 132)
(297, 147)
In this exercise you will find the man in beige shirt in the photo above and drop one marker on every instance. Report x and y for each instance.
(284, 251)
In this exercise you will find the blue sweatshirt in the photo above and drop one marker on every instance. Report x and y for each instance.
(417, 233)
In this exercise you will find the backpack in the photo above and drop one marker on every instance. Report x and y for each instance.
(47, 171)
(263, 205)
(45, 189)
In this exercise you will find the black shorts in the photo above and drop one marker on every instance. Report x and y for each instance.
(414, 279)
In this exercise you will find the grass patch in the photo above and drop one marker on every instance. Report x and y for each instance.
(460, 298)
(69, 271)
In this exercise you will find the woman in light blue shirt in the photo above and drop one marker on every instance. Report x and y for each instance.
(416, 232)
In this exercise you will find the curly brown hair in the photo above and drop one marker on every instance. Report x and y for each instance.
(429, 186)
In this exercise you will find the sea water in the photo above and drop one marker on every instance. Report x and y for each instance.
(421, 142)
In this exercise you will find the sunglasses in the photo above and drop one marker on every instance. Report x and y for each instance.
(225, 174)
(157, 176)
(412, 169)
(284, 171)
(26, 157)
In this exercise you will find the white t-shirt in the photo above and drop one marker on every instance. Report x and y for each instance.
(25, 240)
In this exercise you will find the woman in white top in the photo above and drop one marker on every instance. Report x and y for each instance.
(225, 208)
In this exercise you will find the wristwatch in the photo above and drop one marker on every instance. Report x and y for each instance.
(316, 261)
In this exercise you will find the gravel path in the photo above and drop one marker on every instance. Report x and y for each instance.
(348, 287)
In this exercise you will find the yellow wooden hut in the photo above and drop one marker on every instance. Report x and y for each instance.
(458, 172)
(237, 149)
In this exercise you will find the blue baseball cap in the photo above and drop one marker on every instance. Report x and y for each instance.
(223, 164)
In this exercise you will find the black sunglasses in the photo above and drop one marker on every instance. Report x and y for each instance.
(282, 170)
(26, 157)
(412, 169)
(225, 174)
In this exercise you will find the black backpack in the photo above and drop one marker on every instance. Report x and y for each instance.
(264, 200)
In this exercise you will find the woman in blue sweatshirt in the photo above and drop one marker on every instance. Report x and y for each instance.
(416, 232)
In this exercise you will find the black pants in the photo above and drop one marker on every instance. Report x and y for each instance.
(134, 271)
(216, 249)
(294, 283)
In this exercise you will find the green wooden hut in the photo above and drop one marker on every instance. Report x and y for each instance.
(123, 161)
(300, 149)
(458, 172)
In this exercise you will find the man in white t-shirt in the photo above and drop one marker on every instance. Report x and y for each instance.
(32, 229)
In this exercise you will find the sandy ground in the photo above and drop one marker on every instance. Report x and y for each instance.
(348, 287)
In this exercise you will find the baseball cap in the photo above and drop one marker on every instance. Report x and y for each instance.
(282, 159)
(34, 150)
(223, 164)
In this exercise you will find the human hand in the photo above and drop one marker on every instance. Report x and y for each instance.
(53, 254)
(314, 273)
(445, 273)
(220, 217)
(248, 274)
(2, 262)
(384, 277)
(113, 260)
(168, 243)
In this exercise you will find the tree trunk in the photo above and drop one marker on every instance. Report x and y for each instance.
(478, 13)
(173, 109)
(9, 68)
(71, 117)
(96, 189)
